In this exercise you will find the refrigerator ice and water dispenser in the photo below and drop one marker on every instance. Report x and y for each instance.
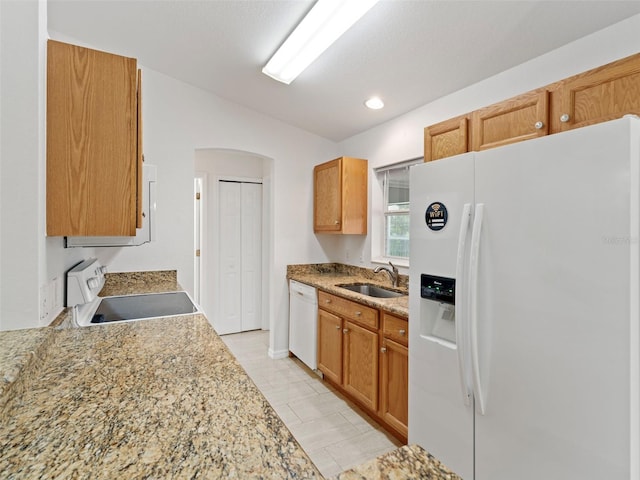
(437, 309)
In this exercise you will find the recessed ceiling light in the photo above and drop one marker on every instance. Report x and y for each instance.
(374, 103)
(323, 25)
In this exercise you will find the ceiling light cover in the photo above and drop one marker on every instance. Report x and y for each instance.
(374, 103)
(323, 25)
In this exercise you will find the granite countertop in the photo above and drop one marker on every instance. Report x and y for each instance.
(20, 349)
(325, 277)
(150, 399)
(160, 398)
(407, 462)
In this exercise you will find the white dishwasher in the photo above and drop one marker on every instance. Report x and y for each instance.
(303, 322)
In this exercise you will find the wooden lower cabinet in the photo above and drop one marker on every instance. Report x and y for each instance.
(330, 345)
(360, 364)
(364, 359)
(394, 385)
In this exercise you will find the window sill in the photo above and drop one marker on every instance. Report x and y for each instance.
(398, 262)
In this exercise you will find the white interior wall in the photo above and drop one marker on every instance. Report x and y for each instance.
(20, 156)
(28, 260)
(403, 138)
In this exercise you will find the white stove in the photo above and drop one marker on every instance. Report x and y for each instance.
(84, 283)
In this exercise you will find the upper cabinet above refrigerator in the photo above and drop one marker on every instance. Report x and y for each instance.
(94, 143)
(599, 95)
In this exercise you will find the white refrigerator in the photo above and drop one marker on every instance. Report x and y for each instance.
(524, 319)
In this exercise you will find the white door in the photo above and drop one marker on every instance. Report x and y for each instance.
(439, 419)
(251, 258)
(240, 260)
(230, 235)
(554, 308)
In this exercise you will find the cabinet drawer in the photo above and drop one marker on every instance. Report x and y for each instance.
(395, 328)
(357, 312)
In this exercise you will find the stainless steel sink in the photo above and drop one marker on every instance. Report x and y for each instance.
(371, 290)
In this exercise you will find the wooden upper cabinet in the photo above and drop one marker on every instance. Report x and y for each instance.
(446, 139)
(139, 155)
(520, 118)
(340, 196)
(599, 95)
(93, 142)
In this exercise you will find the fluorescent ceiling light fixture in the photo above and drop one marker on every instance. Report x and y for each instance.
(374, 103)
(323, 25)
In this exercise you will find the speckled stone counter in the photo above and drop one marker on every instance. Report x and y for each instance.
(20, 350)
(325, 276)
(150, 399)
(405, 463)
(130, 283)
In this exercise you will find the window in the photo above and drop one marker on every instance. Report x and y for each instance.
(394, 180)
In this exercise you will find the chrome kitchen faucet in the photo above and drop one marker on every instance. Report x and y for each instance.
(393, 273)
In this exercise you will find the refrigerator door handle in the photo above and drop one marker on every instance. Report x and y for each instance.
(462, 308)
(473, 308)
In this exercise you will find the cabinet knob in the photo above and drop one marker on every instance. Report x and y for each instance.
(402, 332)
(336, 222)
(539, 125)
(564, 118)
(346, 330)
(337, 327)
(383, 350)
(358, 314)
(327, 301)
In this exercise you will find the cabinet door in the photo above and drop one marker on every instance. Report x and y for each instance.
(394, 395)
(330, 345)
(139, 155)
(599, 95)
(520, 118)
(446, 139)
(91, 142)
(360, 365)
(327, 211)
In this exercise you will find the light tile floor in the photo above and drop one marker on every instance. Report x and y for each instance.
(335, 433)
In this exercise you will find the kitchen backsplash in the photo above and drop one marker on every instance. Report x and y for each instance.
(341, 268)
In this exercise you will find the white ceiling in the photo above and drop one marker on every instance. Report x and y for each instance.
(408, 52)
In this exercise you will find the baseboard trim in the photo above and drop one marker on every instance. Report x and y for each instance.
(278, 354)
